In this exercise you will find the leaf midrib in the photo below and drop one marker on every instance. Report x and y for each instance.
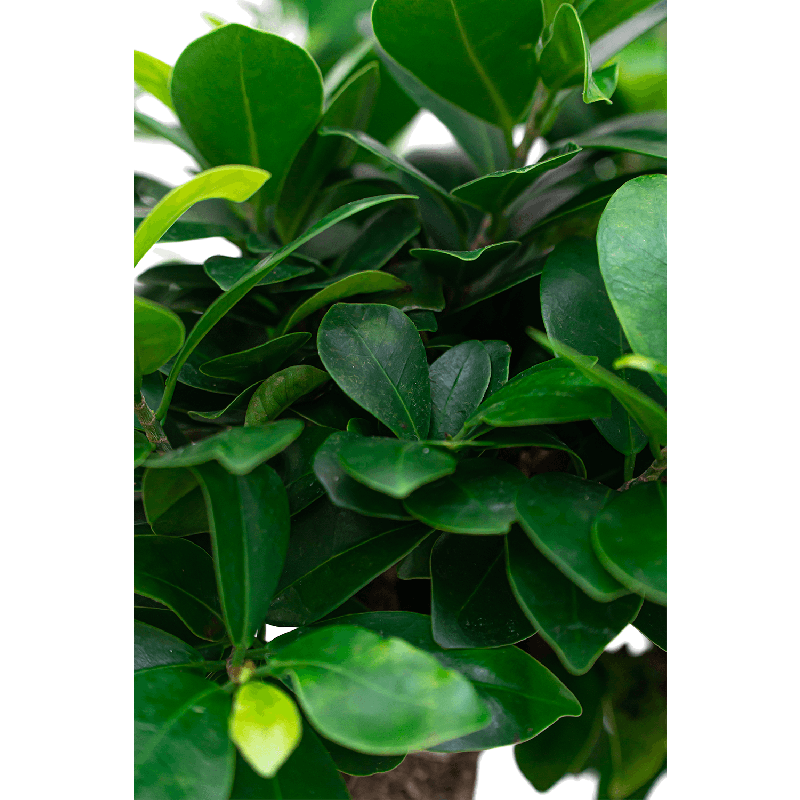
(251, 133)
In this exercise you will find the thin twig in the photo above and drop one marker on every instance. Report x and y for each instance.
(652, 473)
(151, 426)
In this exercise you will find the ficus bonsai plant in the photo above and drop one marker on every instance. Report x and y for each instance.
(420, 419)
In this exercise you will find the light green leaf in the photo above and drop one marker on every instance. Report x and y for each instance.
(236, 183)
(158, 334)
(391, 381)
(282, 389)
(632, 248)
(239, 450)
(263, 102)
(643, 363)
(478, 55)
(265, 725)
(152, 75)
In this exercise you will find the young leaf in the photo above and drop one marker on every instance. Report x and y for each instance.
(472, 604)
(180, 575)
(365, 282)
(557, 510)
(236, 183)
(575, 626)
(630, 538)
(249, 520)
(173, 502)
(488, 69)
(282, 389)
(333, 667)
(240, 117)
(576, 310)
(152, 75)
(158, 334)
(155, 648)
(223, 304)
(459, 379)
(391, 381)
(265, 726)
(632, 249)
(239, 450)
(394, 467)
(477, 498)
(181, 745)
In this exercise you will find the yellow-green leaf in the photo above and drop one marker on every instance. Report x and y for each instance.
(152, 75)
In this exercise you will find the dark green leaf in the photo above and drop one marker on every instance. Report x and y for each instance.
(296, 467)
(632, 248)
(280, 390)
(424, 292)
(477, 498)
(351, 762)
(181, 745)
(463, 266)
(487, 69)
(500, 357)
(345, 678)
(472, 604)
(141, 448)
(249, 516)
(417, 564)
(630, 538)
(255, 364)
(459, 379)
(322, 572)
(227, 272)
(239, 450)
(557, 511)
(645, 134)
(231, 414)
(346, 492)
(394, 467)
(180, 575)
(155, 648)
(652, 622)
(600, 16)
(376, 356)
(577, 627)
(173, 502)
(424, 321)
(239, 117)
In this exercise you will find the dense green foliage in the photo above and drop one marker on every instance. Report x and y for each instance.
(448, 366)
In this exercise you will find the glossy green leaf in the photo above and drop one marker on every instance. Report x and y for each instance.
(255, 364)
(477, 498)
(152, 75)
(557, 510)
(141, 448)
(566, 59)
(366, 282)
(190, 374)
(543, 395)
(156, 648)
(280, 390)
(644, 133)
(459, 379)
(345, 678)
(488, 70)
(649, 415)
(158, 334)
(173, 502)
(381, 239)
(239, 117)
(606, 79)
(350, 107)
(180, 575)
(576, 627)
(392, 466)
(181, 745)
(308, 774)
(231, 414)
(494, 192)
(523, 697)
(424, 321)
(265, 726)
(463, 266)
(249, 520)
(346, 492)
(652, 622)
(484, 144)
(236, 183)
(417, 564)
(239, 450)
(226, 272)
(500, 357)
(375, 355)
(351, 762)
(566, 745)
(295, 466)
(632, 249)
(223, 304)
(472, 604)
(425, 291)
(576, 310)
(321, 572)
(630, 538)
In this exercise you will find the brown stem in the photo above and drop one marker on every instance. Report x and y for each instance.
(151, 426)
(652, 473)
(541, 103)
(482, 238)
